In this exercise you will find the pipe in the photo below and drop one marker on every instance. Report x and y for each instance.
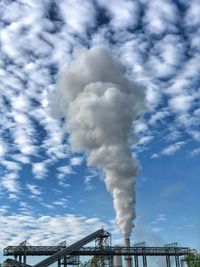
(117, 259)
(128, 259)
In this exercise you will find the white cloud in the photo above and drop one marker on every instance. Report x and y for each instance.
(61, 202)
(140, 127)
(4, 209)
(173, 134)
(155, 156)
(39, 169)
(65, 169)
(21, 158)
(29, 149)
(166, 55)
(192, 14)
(76, 15)
(62, 180)
(181, 103)
(145, 140)
(49, 230)
(195, 134)
(161, 217)
(153, 96)
(172, 149)
(195, 152)
(34, 189)
(10, 183)
(2, 149)
(88, 179)
(159, 116)
(11, 165)
(75, 161)
(23, 139)
(158, 221)
(124, 14)
(160, 16)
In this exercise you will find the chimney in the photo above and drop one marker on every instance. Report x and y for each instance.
(128, 259)
(117, 259)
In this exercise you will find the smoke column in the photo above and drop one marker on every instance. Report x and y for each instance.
(100, 105)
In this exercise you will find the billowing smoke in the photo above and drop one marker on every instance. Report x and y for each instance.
(100, 105)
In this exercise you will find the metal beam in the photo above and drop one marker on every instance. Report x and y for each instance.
(137, 251)
(14, 263)
(68, 250)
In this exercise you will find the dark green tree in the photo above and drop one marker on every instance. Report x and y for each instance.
(193, 260)
(93, 262)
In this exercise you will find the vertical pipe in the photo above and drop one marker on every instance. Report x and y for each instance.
(136, 261)
(177, 261)
(128, 258)
(168, 261)
(182, 263)
(144, 257)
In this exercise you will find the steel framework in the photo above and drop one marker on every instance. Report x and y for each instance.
(103, 250)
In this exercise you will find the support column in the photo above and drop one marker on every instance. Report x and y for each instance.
(144, 259)
(136, 261)
(20, 258)
(24, 256)
(168, 261)
(177, 261)
(24, 259)
(59, 263)
(182, 263)
(65, 262)
(128, 260)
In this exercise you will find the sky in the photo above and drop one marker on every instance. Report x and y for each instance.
(47, 191)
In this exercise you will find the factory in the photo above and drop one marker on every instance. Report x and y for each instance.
(109, 256)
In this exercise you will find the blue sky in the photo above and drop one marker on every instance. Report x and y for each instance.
(47, 192)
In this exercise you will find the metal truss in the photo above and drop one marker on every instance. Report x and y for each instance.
(133, 251)
(104, 242)
(103, 251)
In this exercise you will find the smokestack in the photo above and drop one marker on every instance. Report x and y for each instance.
(128, 259)
(117, 260)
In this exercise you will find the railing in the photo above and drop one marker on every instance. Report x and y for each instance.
(50, 250)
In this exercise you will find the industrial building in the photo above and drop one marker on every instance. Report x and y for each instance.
(108, 255)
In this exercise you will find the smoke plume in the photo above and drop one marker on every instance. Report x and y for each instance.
(100, 105)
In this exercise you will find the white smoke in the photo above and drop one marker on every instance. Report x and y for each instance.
(100, 105)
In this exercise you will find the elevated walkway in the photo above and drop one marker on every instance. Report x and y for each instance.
(66, 255)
